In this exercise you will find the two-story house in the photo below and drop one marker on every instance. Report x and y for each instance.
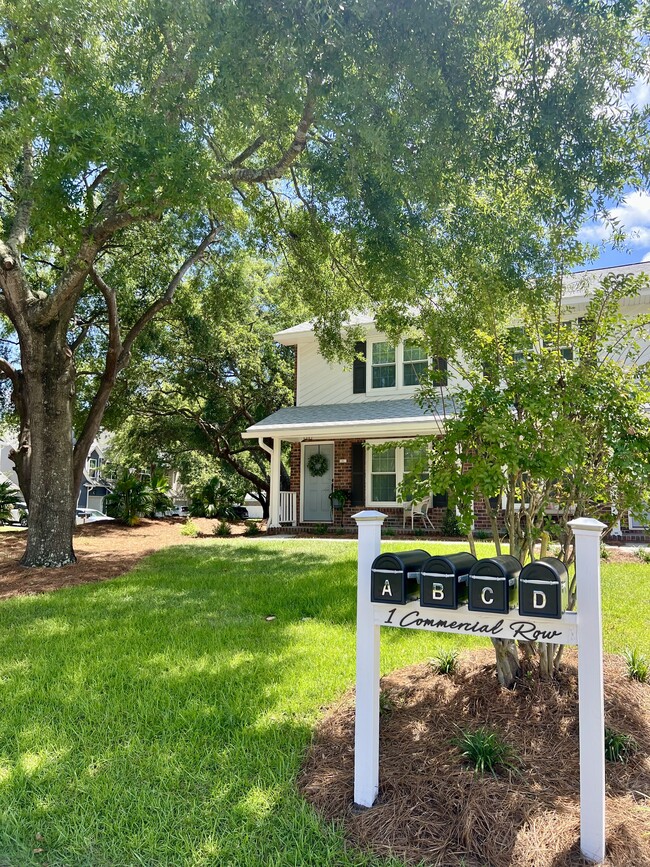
(341, 412)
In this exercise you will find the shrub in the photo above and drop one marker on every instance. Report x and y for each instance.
(223, 528)
(604, 552)
(644, 554)
(638, 667)
(445, 661)
(485, 750)
(252, 529)
(619, 747)
(189, 528)
(389, 531)
(482, 534)
(450, 526)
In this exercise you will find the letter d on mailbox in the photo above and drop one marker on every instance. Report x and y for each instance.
(542, 588)
(492, 584)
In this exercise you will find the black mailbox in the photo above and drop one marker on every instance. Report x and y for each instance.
(395, 577)
(543, 587)
(443, 580)
(493, 584)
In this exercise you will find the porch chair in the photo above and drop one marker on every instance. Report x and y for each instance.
(419, 508)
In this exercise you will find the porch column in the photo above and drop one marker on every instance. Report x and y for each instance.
(274, 493)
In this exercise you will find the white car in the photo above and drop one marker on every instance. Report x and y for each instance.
(19, 514)
(88, 516)
(178, 512)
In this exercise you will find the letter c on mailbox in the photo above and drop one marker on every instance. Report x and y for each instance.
(484, 593)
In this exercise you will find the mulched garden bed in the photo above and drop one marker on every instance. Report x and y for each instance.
(432, 809)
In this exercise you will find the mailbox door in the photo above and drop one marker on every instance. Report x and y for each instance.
(540, 598)
(442, 590)
(489, 593)
(388, 585)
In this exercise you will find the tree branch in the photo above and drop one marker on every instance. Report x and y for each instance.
(247, 152)
(24, 204)
(8, 371)
(167, 298)
(268, 173)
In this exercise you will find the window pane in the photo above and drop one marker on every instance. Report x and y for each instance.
(413, 371)
(411, 456)
(383, 377)
(383, 462)
(384, 489)
(413, 351)
(383, 353)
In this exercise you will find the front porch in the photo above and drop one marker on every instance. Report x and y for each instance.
(329, 449)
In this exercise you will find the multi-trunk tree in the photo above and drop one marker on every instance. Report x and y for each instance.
(551, 424)
(402, 135)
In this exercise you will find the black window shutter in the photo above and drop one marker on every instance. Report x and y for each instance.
(358, 493)
(440, 501)
(359, 369)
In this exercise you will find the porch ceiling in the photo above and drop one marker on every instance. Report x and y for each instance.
(362, 420)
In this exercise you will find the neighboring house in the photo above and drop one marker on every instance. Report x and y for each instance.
(94, 486)
(341, 412)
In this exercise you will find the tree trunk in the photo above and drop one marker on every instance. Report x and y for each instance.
(507, 661)
(49, 390)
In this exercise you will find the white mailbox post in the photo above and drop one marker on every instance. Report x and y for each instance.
(583, 628)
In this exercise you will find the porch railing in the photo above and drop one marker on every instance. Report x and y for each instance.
(288, 501)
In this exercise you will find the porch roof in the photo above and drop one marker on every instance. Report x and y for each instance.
(358, 420)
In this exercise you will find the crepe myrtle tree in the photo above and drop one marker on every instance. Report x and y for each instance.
(551, 423)
(385, 121)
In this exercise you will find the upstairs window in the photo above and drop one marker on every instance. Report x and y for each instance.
(416, 362)
(383, 365)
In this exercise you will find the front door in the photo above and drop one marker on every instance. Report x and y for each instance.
(317, 505)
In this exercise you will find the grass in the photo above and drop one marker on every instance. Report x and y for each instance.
(160, 719)
(485, 751)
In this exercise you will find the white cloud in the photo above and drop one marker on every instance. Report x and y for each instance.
(632, 216)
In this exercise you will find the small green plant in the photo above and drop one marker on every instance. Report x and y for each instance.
(445, 661)
(619, 747)
(321, 529)
(389, 531)
(638, 667)
(252, 529)
(338, 498)
(482, 534)
(450, 525)
(644, 554)
(189, 528)
(485, 750)
(223, 528)
(604, 552)
(386, 703)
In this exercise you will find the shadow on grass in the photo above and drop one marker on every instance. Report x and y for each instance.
(161, 718)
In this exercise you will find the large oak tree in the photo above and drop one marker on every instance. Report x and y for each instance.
(173, 126)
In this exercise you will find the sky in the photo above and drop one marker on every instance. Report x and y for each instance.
(632, 215)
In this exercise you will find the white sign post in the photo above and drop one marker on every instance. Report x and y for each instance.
(591, 710)
(583, 629)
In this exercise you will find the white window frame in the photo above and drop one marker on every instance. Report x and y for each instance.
(399, 387)
(399, 474)
(634, 524)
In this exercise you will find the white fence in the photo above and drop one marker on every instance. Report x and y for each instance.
(288, 501)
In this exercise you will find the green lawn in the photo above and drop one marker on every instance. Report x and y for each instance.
(160, 719)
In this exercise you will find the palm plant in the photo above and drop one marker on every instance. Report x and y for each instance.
(9, 499)
(130, 499)
(159, 487)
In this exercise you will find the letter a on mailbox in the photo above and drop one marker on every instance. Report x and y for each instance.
(386, 591)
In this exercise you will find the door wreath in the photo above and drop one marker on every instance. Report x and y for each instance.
(317, 464)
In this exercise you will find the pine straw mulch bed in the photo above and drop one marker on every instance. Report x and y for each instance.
(433, 810)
